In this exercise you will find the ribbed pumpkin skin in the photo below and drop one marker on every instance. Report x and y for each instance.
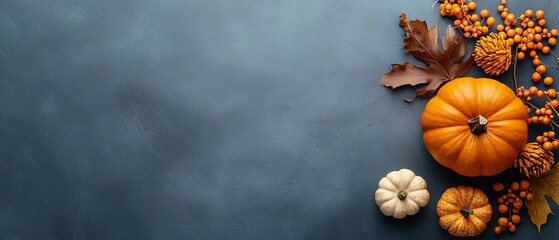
(449, 211)
(447, 136)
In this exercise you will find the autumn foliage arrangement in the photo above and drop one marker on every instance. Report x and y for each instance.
(491, 123)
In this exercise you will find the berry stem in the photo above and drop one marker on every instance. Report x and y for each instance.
(514, 68)
(531, 105)
(510, 212)
(557, 60)
(554, 55)
(435, 3)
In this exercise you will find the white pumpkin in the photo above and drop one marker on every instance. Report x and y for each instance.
(401, 193)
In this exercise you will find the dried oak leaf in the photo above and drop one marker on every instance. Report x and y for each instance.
(423, 44)
(546, 185)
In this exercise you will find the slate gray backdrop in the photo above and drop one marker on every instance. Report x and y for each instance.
(191, 119)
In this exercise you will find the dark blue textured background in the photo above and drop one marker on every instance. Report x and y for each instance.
(208, 119)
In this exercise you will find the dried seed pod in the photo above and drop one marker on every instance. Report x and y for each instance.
(533, 160)
(493, 54)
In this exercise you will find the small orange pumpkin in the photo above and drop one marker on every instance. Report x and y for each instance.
(464, 211)
(475, 126)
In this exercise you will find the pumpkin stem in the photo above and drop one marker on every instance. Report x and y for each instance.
(402, 195)
(478, 125)
(466, 212)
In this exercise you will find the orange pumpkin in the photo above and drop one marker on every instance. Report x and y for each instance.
(475, 126)
(464, 211)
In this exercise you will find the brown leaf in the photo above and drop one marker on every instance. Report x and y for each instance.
(423, 44)
(546, 185)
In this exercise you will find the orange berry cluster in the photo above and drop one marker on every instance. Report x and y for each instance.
(527, 94)
(530, 35)
(470, 24)
(527, 32)
(510, 204)
(548, 141)
(542, 115)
